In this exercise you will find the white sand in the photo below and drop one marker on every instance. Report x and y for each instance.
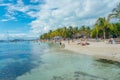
(96, 49)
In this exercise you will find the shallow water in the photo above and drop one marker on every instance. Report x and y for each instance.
(39, 61)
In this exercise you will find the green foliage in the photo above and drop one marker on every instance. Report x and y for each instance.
(101, 29)
(96, 32)
(116, 12)
(66, 32)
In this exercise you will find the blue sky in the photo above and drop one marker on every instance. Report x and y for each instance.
(30, 18)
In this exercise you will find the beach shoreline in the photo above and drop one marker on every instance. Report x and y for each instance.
(100, 50)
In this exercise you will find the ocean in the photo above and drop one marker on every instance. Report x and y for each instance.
(46, 61)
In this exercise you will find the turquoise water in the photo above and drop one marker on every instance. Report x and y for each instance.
(40, 61)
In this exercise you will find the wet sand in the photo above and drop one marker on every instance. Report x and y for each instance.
(97, 49)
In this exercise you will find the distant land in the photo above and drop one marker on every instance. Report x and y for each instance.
(17, 40)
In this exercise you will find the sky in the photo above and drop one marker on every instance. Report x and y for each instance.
(30, 18)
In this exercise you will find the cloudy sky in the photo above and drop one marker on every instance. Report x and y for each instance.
(30, 18)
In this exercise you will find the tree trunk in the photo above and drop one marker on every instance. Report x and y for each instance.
(96, 36)
(104, 33)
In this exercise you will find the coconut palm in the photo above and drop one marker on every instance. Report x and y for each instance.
(104, 24)
(96, 29)
(116, 12)
(88, 30)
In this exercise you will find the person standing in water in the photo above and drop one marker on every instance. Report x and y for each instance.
(60, 43)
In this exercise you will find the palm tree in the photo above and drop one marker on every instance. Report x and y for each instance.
(75, 29)
(49, 33)
(94, 33)
(82, 30)
(117, 28)
(65, 32)
(116, 12)
(88, 30)
(104, 24)
(96, 29)
(70, 31)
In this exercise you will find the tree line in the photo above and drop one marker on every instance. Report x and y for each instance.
(102, 28)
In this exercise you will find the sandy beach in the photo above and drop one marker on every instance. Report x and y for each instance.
(97, 49)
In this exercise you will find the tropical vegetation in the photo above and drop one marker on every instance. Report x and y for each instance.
(102, 28)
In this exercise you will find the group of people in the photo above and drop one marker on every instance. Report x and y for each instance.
(82, 42)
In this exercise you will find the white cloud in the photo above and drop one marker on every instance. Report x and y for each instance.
(21, 7)
(4, 4)
(4, 20)
(34, 1)
(61, 13)
(16, 36)
(2, 36)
